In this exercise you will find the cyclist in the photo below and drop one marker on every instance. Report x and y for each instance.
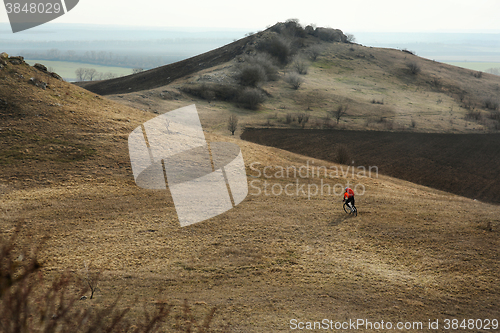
(349, 197)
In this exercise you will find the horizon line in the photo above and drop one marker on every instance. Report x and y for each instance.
(255, 29)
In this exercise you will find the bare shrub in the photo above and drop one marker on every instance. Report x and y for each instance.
(210, 91)
(461, 96)
(290, 29)
(413, 67)
(495, 116)
(374, 101)
(232, 123)
(342, 154)
(473, 115)
(350, 38)
(250, 98)
(294, 80)
(30, 304)
(389, 125)
(413, 123)
(251, 75)
(293, 28)
(305, 119)
(469, 104)
(300, 66)
(137, 70)
(477, 74)
(91, 279)
(315, 51)
(288, 118)
(266, 62)
(491, 104)
(278, 47)
(436, 83)
(328, 123)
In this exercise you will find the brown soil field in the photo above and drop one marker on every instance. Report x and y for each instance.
(464, 164)
(413, 253)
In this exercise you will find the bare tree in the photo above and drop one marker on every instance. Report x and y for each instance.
(350, 38)
(300, 65)
(232, 124)
(413, 67)
(494, 71)
(339, 112)
(91, 279)
(108, 75)
(80, 74)
(90, 74)
(294, 80)
(315, 51)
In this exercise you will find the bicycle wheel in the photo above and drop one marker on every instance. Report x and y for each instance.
(346, 208)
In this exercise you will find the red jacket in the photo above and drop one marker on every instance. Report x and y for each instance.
(349, 193)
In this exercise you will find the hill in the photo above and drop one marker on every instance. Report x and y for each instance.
(382, 89)
(346, 86)
(161, 76)
(412, 254)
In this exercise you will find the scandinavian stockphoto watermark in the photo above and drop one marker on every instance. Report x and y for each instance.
(205, 179)
(308, 180)
(464, 324)
(26, 14)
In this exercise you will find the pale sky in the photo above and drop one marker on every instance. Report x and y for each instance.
(349, 16)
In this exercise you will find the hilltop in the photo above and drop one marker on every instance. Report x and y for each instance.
(412, 254)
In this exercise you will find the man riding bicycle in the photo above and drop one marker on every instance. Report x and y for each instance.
(349, 197)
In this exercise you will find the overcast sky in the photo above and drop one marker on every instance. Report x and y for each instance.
(349, 16)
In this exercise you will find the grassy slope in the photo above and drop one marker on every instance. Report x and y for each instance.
(354, 75)
(412, 254)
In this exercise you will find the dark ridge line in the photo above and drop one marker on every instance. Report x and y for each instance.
(161, 76)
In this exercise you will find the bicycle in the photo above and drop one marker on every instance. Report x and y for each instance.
(350, 210)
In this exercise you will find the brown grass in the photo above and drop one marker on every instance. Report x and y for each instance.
(413, 253)
(359, 77)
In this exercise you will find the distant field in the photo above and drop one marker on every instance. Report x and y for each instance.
(478, 66)
(67, 69)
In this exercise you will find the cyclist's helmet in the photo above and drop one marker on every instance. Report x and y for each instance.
(346, 189)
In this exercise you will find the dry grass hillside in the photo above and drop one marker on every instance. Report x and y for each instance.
(382, 89)
(346, 86)
(412, 254)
